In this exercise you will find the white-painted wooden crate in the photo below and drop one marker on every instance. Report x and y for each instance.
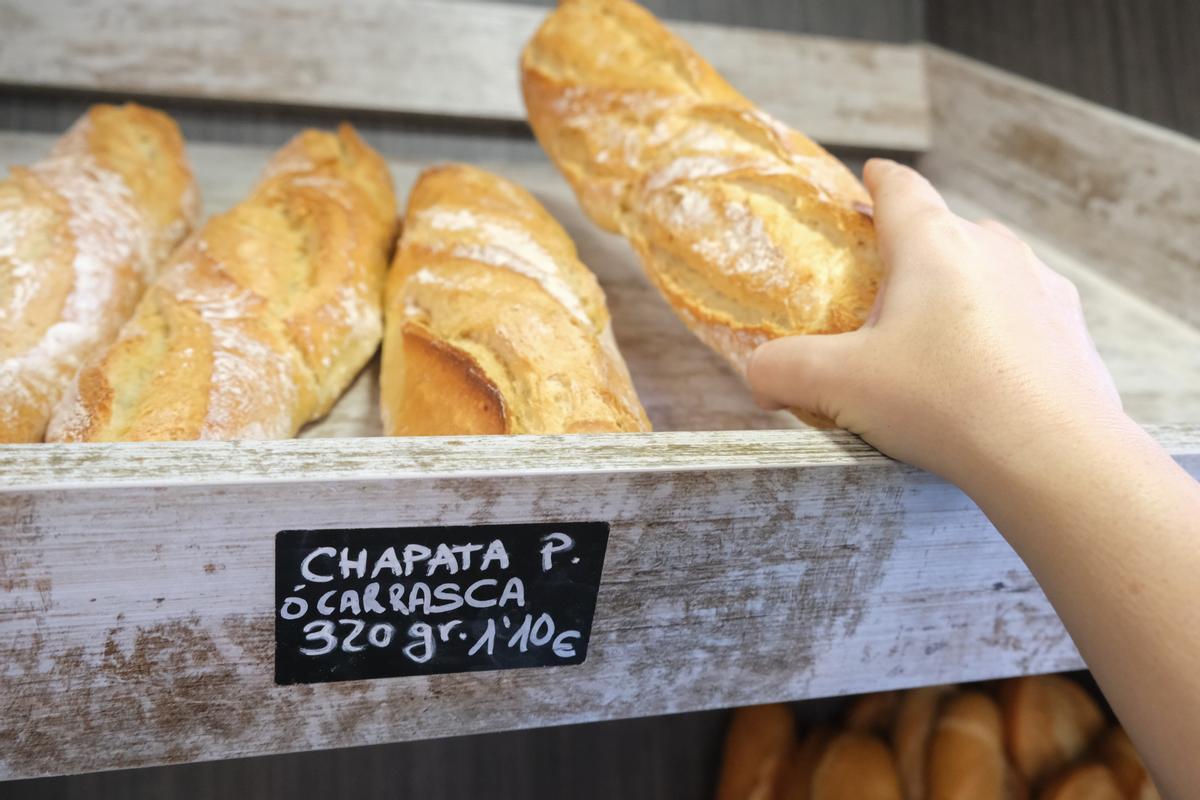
(749, 559)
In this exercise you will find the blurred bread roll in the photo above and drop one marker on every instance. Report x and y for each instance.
(759, 741)
(1083, 782)
(856, 766)
(966, 759)
(915, 717)
(1049, 722)
(1117, 752)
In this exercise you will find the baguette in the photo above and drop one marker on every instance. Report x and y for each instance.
(749, 229)
(82, 232)
(874, 712)
(796, 777)
(260, 320)
(493, 325)
(1083, 782)
(911, 732)
(856, 766)
(1049, 722)
(760, 740)
(1117, 752)
(966, 758)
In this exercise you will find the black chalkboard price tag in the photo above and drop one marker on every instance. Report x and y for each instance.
(353, 604)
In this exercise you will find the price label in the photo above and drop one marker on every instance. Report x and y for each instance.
(354, 604)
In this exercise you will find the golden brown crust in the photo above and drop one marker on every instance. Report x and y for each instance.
(758, 743)
(795, 779)
(966, 759)
(911, 732)
(493, 323)
(856, 766)
(82, 233)
(259, 321)
(749, 229)
(1083, 782)
(1117, 752)
(1049, 722)
(874, 712)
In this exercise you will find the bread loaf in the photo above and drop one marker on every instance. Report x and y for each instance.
(874, 712)
(1049, 722)
(1117, 752)
(82, 232)
(1083, 782)
(760, 738)
(796, 777)
(966, 758)
(856, 766)
(260, 320)
(750, 230)
(493, 324)
(911, 732)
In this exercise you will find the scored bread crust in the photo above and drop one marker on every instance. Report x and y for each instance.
(493, 325)
(749, 229)
(82, 233)
(261, 319)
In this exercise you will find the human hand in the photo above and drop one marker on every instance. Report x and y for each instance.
(975, 350)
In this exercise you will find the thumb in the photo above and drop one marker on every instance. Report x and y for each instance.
(812, 373)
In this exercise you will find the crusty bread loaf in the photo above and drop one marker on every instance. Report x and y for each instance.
(874, 712)
(1083, 782)
(1049, 722)
(759, 740)
(911, 732)
(1117, 752)
(749, 229)
(260, 320)
(82, 233)
(492, 323)
(966, 759)
(796, 777)
(856, 766)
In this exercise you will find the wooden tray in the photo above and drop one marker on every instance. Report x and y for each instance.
(749, 560)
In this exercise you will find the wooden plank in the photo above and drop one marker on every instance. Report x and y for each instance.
(424, 57)
(136, 620)
(1116, 194)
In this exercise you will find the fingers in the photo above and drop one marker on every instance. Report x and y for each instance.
(901, 195)
(807, 372)
(995, 226)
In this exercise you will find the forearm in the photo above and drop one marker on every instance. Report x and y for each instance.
(1110, 527)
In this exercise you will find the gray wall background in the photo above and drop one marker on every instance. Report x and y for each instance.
(1139, 56)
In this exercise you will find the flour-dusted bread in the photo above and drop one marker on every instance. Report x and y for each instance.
(750, 230)
(262, 318)
(82, 233)
(493, 324)
(759, 742)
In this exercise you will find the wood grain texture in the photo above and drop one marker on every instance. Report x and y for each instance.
(448, 59)
(1139, 57)
(1121, 196)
